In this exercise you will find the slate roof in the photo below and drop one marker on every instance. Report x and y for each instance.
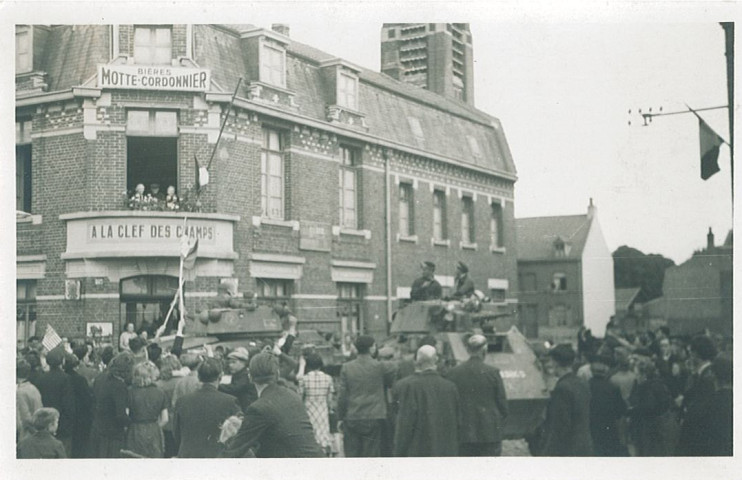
(72, 54)
(625, 297)
(536, 236)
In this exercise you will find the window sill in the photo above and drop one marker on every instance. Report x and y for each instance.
(25, 217)
(468, 246)
(258, 221)
(280, 88)
(440, 243)
(337, 231)
(498, 250)
(407, 238)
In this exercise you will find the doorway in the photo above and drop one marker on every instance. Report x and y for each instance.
(145, 301)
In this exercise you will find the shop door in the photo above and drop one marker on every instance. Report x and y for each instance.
(145, 301)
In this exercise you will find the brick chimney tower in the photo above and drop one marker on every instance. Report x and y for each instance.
(435, 56)
(591, 209)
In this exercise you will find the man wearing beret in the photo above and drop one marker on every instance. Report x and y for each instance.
(567, 424)
(484, 405)
(464, 286)
(426, 287)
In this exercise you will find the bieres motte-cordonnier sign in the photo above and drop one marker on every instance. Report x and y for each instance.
(154, 77)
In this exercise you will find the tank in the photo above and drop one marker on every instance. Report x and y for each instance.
(507, 349)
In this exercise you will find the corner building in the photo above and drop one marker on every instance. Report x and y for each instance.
(328, 187)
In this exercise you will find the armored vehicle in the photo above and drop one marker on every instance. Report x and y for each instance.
(507, 349)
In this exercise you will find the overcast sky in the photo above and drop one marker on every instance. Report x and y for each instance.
(563, 91)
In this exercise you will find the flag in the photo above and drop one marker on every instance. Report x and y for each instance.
(710, 143)
(51, 338)
(188, 251)
(202, 175)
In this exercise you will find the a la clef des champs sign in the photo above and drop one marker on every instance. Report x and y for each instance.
(154, 77)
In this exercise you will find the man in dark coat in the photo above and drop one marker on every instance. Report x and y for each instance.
(426, 287)
(83, 406)
(567, 424)
(484, 404)
(607, 407)
(199, 415)
(362, 405)
(701, 384)
(428, 413)
(707, 426)
(111, 400)
(56, 391)
(463, 286)
(276, 425)
(240, 386)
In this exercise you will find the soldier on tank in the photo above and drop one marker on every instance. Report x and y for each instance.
(426, 287)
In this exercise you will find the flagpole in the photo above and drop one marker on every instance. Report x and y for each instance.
(180, 273)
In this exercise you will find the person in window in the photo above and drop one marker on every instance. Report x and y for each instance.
(157, 195)
(426, 287)
(172, 202)
(125, 337)
(138, 200)
(464, 286)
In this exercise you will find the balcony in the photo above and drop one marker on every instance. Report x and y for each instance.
(117, 244)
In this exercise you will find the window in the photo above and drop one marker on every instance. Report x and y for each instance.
(151, 148)
(348, 182)
(271, 175)
(272, 64)
(146, 300)
(439, 215)
(496, 226)
(347, 94)
(467, 220)
(349, 307)
(153, 45)
(406, 210)
(23, 166)
(23, 50)
(416, 127)
(274, 290)
(25, 310)
(559, 282)
(497, 294)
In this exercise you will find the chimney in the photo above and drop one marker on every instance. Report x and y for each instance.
(591, 210)
(281, 28)
(710, 240)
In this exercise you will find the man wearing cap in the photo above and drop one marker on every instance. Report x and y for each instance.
(426, 287)
(56, 391)
(276, 425)
(428, 413)
(463, 286)
(484, 405)
(362, 405)
(154, 191)
(567, 424)
(240, 385)
(607, 407)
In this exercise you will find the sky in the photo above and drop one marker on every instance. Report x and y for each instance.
(563, 92)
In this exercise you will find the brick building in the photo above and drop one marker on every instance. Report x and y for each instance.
(565, 276)
(329, 184)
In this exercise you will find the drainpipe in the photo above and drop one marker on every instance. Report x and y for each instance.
(388, 232)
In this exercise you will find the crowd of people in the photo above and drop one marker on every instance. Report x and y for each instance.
(639, 395)
(618, 396)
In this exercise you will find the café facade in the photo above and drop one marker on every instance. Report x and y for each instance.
(328, 183)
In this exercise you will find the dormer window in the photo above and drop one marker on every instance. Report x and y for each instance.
(23, 49)
(153, 45)
(347, 94)
(272, 64)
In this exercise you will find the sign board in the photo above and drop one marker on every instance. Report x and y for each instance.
(148, 77)
(100, 332)
(146, 234)
(315, 236)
